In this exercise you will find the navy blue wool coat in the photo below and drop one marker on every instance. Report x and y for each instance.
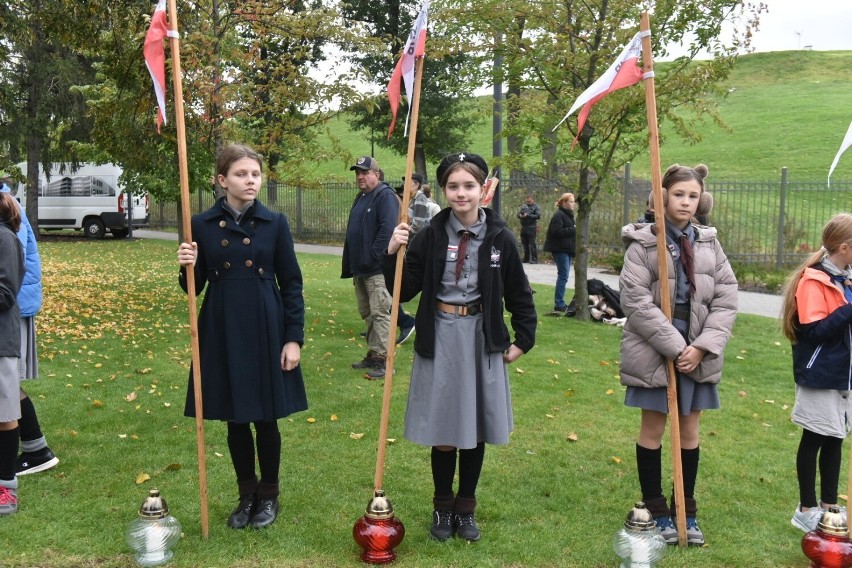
(252, 307)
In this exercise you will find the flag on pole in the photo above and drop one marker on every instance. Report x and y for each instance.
(415, 47)
(847, 141)
(155, 58)
(623, 72)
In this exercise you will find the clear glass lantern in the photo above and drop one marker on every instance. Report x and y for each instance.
(154, 533)
(639, 543)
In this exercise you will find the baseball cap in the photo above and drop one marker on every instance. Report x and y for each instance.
(365, 163)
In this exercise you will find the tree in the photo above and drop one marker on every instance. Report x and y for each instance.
(450, 74)
(563, 47)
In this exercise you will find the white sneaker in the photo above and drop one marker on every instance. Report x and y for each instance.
(806, 520)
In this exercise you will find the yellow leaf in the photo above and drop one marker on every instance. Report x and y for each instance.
(572, 437)
(549, 415)
(122, 436)
(519, 370)
(333, 417)
(767, 401)
(131, 397)
(615, 459)
(167, 404)
(391, 440)
(73, 432)
(355, 436)
(97, 403)
(142, 478)
(604, 363)
(609, 391)
(311, 420)
(217, 454)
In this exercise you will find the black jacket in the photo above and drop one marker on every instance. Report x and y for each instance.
(501, 279)
(368, 234)
(561, 233)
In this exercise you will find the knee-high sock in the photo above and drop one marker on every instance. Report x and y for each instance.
(689, 462)
(649, 464)
(32, 438)
(268, 450)
(9, 440)
(470, 467)
(443, 472)
(241, 447)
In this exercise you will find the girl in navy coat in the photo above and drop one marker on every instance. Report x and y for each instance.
(817, 319)
(251, 328)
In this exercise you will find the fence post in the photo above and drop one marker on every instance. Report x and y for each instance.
(779, 255)
(299, 212)
(625, 201)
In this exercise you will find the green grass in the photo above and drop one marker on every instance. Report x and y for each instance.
(784, 109)
(114, 343)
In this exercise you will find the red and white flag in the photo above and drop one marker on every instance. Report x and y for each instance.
(155, 58)
(623, 72)
(847, 141)
(415, 47)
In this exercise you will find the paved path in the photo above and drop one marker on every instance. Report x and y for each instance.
(768, 305)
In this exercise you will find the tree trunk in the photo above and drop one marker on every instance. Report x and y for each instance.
(581, 259)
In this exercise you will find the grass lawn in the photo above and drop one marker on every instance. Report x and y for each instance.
(114, 349)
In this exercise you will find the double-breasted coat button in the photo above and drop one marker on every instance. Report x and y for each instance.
(260, 271)
(249, 263)
(222, 224)
(224, 242)
(227, 266)
(246, 241)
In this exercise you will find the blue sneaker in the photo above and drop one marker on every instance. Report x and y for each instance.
(667, 529)
(694, 536)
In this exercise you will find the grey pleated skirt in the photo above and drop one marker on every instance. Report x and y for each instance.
(461, 397)
(10, 390)
(28, 364)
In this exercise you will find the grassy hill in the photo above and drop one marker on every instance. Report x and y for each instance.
(783, 109)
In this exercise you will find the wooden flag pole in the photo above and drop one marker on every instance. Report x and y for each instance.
(186, 219)
(397, 282)
(663, 270)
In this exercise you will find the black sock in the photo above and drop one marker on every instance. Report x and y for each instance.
(443, 472)
(649, 464)
(30, 428)
(689, 463)
(241, 447)
(470, 467)
(829, 468)
(9, 441)
(268, 450)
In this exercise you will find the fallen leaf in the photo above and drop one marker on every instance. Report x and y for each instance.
(519, 370)
(167, 404)
(311, 420)
(609, 391)
(573, 437)
(391, 440)
(73, 432)
(569, 393)
(217, 454)
(742, 394)
(333, 417)
(767, 401)
(740, 358)
(549, 415)
(173, 467)
(604, 363)
(142, 478)
(131, 397)
(122, 436)
(616, 459)
(97, 403)
(355, 436)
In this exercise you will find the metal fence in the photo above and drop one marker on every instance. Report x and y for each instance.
(769, 223)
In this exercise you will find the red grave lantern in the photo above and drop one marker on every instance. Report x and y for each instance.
(828, 546)
(378, 532)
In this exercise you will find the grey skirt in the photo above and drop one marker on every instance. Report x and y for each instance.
(461, 397)
(28, 364)
(10, 390)
(826, 412)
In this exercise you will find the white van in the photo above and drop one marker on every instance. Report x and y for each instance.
(88, 199)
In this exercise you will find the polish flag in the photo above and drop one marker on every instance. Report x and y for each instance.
(415, 47)
(155, 58)
(847, 141)
(623, 72)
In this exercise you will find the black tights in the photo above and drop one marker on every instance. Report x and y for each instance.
(241, 445)
(828, 448)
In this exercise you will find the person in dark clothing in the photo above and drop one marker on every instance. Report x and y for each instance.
(374, 214)
(560, 242)
(529, 215)
(466, 266)
(251, 328)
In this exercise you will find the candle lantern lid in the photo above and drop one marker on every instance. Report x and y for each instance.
(154, 506)
(831, 522)
(639, 519)
(379, 506)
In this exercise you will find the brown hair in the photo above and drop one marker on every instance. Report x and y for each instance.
(469, 167)
(837, 231)
(231, 154)
(427, 191)
(10, 213)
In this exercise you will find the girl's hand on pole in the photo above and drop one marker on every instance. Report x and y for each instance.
(398, 238)
(291, 354)
(187, 253)
(512, 354)
(689, 359)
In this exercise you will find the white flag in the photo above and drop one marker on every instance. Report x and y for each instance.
(847, 141)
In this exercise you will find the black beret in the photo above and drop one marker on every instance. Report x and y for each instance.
(417, 177)
(458, 157)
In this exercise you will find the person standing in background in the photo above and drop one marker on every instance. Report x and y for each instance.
(529, 215)
(561, 243)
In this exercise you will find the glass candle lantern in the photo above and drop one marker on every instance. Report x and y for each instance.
(828, 546)
(154, 532)
(378, 531)
(639, 543)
